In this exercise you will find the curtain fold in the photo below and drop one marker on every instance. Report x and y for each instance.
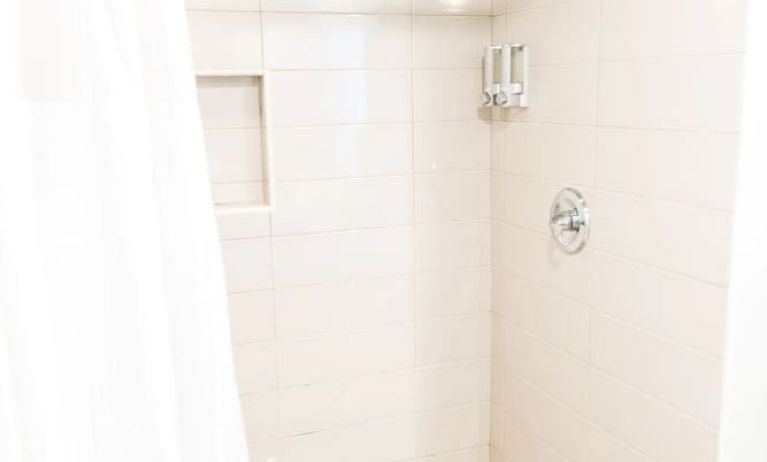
(114, 336)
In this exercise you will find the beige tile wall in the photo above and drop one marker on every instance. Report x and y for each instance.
(614, 355)
(361, 302)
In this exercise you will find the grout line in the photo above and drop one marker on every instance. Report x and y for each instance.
(414, 201)
(586, 418)
(633, 324)
(400, 175)
(535, 434)
(621, 257)
(362, 229)
(647, 331)
(509, 414)
(601, 189)
(400, 70)
(600, 37)
(395, 69)
(414, 370)
(407, 122)
(391, 419)
(637, 60)
(236, 183)
(432, 457)
(676, 57)
(477, 316)
(590, 365)
(595, 175)
(496, 381)
(591, 306)
(614, 319)
(270, 212)
(338, 12)
(547, 123)
(232, 129)
(416, 274)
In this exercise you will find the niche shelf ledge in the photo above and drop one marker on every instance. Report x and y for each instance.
(262, 77)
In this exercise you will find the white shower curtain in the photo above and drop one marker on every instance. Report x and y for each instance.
(113, 327)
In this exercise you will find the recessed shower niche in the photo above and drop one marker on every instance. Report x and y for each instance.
(235, 125)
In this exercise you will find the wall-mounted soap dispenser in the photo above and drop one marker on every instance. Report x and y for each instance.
(499, 62)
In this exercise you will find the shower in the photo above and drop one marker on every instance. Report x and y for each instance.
(382, 231)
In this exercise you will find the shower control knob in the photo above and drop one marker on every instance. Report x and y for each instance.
(501, 99)
(570, 220)
(487, 98)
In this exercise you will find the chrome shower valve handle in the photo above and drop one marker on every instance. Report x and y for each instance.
(570, 220)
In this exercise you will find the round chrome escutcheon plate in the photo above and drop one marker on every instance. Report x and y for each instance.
(570, 222)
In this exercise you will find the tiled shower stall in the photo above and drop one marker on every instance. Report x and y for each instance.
(394, 291)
